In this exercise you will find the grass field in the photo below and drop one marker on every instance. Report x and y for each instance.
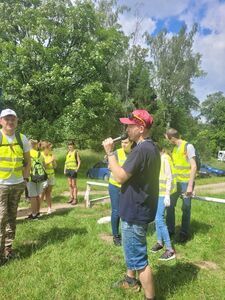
(65, 256)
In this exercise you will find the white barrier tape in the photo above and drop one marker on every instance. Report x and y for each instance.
(209, 199)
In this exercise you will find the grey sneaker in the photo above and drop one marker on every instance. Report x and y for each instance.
(156, 248)
(167, 255)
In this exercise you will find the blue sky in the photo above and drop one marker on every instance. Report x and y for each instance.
(172, 15)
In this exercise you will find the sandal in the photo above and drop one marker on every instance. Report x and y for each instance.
(70, 200)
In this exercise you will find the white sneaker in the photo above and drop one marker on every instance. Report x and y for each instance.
(49, 211)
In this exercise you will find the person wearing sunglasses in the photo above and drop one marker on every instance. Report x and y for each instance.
(139, 179)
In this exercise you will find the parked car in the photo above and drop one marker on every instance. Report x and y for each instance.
(213, 171)
(203, 173)
(99, 171)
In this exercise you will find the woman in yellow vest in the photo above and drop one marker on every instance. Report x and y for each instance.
(72, 165)
(167, 186)
(114, 191)
(50, 165)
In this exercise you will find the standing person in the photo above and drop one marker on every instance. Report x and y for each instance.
(167, 186)
(185, 168)
(14, 171)
(72, 165)
(114, 191)
(50, 165)
(139, 177)
(35, 185)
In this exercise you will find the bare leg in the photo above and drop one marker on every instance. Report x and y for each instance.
(146, 278)
(71, 188)
(34, 205)
(48, 195)
(74, 182)
(131, 273)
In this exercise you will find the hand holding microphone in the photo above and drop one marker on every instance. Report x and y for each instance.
(108, 143)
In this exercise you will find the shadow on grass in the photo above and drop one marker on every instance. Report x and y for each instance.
(196, 228)
(169, 279)
(53, 236)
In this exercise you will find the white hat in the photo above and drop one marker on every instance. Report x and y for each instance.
(7, 112)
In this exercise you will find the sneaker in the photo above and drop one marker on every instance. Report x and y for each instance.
(167, 255)
(31, 217)
(128, 283)
(49, 211)
(117, 240)
(70, 200)
(156, 248)
(183, 237)
(38, 215)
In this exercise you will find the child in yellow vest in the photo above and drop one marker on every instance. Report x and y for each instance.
(167, 186)
(72, 165)
(50, 165)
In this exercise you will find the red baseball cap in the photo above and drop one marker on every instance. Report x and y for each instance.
(138, 117)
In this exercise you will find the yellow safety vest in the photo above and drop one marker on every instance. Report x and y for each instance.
(71, 162)
(11, 158)
(182, 166)
(163, 178)
(121, 154)
(49, 169)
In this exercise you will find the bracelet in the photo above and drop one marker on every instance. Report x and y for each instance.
(110, 153)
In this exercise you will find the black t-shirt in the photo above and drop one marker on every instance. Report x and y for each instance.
(139, 195)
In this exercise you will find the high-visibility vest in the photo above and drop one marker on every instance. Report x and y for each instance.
(182, 166)
(11, 158)
(71, 162)
(162, 176)
(49, 169)
(121, 155)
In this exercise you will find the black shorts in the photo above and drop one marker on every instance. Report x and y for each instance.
(71, 174)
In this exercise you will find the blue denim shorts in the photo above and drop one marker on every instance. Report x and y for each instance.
(134, 245)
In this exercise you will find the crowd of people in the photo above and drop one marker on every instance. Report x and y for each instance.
(145, 182)
(27, 165)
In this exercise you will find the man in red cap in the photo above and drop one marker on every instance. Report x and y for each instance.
(139, 177)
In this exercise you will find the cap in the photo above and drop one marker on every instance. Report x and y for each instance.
(138, 117)
(7, 112)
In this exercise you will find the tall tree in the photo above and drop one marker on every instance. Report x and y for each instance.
(174, 68)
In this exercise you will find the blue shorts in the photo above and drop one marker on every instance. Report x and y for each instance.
(134, 245)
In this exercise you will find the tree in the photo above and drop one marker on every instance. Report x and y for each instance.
(174, 68)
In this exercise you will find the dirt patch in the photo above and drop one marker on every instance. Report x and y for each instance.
(106, 237)
(207, 265)
(214, 188)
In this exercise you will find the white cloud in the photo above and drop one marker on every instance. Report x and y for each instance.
(157, 8)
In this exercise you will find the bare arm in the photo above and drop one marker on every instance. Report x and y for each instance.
(119, 173)
(192, 176)
(27, 164)
(78, 161)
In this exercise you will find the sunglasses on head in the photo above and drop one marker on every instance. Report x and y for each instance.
(132, 116)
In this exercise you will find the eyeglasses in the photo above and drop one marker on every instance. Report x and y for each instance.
(133, 116)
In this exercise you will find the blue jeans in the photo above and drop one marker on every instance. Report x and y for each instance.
(186, 209)
(135, 245)
(161, 228)
(114, 193)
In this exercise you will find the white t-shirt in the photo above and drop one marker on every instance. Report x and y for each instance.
(26, 148)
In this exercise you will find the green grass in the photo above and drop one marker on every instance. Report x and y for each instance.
(62, 256)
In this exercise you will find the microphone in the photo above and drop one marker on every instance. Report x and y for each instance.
(120, 138)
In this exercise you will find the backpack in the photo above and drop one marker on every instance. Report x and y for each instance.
(197, 157)
(18, 139)
(38, 173)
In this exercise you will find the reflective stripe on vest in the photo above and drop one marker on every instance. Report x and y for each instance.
(11, 158)
(121, 156)
(71, 162)
(48, 166)
(182, 166)
(163, 178)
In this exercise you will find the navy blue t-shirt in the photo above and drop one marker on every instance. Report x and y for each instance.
(139, 195)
